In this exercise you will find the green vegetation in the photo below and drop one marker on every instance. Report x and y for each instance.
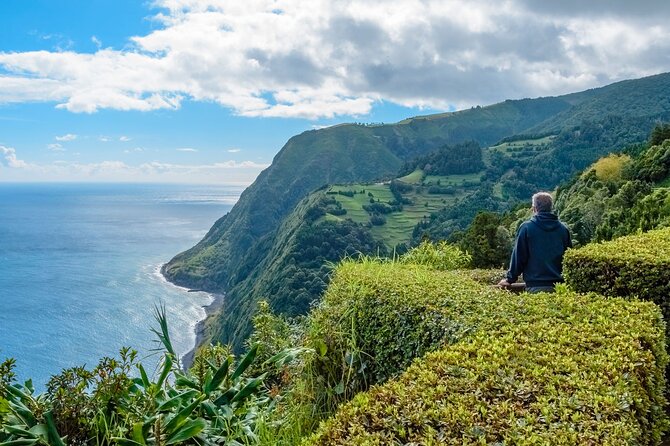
(619, 195)
(213, 402)
(415, 177)
(457, 159)
(309, 243)
(635, 265)
(242, 246)
(408, 350)
(519, 369)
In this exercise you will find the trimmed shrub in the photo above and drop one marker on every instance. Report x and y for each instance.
(438, 256)
(561, 369)
(635, 265)
(375, 318)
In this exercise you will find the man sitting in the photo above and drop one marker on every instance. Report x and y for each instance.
(539, 248)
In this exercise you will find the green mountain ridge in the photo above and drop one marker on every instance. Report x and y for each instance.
(246, 249)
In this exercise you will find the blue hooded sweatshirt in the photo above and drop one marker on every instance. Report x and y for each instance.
(538, 251)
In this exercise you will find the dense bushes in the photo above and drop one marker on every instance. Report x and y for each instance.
(637, 265)
(558, 369)
(375, 318)
(214, 402)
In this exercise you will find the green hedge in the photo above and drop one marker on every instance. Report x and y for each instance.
(636, 265)
(375, 318)
(559, 369)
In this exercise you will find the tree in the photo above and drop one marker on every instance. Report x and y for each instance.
(487, 241)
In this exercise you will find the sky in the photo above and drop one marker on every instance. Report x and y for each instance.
(208, 91)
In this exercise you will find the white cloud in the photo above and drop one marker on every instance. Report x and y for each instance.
(233, 150)
(67, 137)
(104, 139)
(96, 42)
(124, 138)
(9, 158)
(319, 58)
(55, 147)
(227, 172)
(186, 149)
(135, 150)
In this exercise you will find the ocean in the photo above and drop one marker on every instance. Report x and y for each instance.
(79, 270)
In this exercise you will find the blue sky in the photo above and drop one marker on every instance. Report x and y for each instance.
(207, 91)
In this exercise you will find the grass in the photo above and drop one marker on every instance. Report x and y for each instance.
(452, 180)
(399, 225)
(513, 146)
(415, 177)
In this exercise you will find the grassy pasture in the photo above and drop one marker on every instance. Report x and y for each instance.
(452, 180)
(399, 225)
(413, 178)
(512, 146)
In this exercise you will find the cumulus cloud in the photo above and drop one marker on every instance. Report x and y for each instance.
(318, 58)
(9, 158)
(124, 138)
(233, 150)
(186, 149)
(55, 147)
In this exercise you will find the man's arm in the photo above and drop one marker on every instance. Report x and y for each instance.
(519, 258)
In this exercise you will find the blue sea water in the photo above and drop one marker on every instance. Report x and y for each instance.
(79, 269)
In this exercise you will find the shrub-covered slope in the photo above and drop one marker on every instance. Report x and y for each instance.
(620, 194)
(559, 369)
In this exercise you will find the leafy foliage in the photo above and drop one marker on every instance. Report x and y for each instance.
(635, 265)
(213, 403)
(506, 384)
(442, 256)
(488, 240)
(624, 200)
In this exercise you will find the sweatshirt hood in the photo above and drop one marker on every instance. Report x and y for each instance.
(546, 221)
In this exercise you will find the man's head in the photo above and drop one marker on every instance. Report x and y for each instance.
(542, 202)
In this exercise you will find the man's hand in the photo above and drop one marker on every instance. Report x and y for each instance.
(504, 284)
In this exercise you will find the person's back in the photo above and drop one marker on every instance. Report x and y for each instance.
(539, 248)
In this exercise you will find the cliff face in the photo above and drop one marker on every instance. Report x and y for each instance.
(233, 254)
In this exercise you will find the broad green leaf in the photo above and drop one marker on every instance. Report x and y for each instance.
(167, 366)
(245, 363)
(184, 381)
(188, 430)
(219, 376)
(175, 401)
(145, 378)
(40, 430)
(53, 432)
(138, 434)
(180, 418)
(17, 430)
(248, 389)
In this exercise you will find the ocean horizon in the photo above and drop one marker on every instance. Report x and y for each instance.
(80, 269)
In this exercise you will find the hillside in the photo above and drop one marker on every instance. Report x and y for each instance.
(236, 255)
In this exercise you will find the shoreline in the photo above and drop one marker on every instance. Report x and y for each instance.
(199, 329)
(217, 302)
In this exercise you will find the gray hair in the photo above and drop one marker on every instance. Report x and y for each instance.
(542, 202)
